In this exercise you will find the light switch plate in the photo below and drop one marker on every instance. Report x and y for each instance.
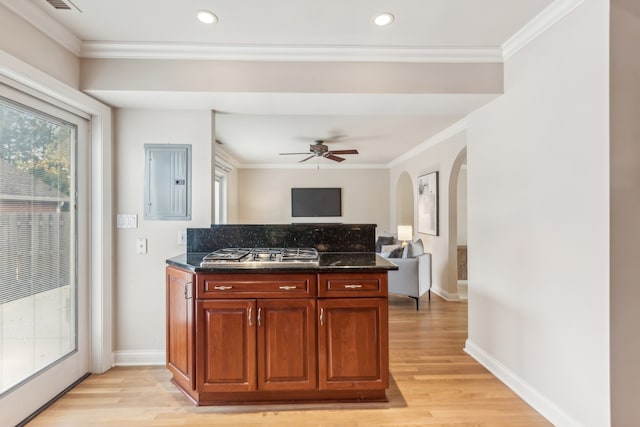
(182, 237)
(127, 221)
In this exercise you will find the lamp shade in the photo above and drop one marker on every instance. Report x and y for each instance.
(405, 232)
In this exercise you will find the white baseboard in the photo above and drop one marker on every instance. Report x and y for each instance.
(445, 294)
(139, 358)
(539, 402)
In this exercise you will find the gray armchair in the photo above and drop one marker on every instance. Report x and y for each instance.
(413, 277)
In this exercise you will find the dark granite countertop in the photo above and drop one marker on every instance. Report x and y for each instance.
(329, 261)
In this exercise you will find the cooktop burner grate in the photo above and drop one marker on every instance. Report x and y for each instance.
(259, 256)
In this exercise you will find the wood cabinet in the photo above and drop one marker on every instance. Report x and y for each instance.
(286, 344)
(280, 337)
(180, 326)
(248, 345)
(353, 344)
(226, 345)
(353, 350)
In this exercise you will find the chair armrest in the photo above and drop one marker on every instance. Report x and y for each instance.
(404, 280)
(424, 272)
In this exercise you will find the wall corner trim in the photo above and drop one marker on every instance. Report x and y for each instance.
(539, 402)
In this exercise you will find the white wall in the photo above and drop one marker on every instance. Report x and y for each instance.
(140, 284)
(232, 185)
(24, 41)
(538, 222)
(264, 195)
(625, 211)
(441, 158)
(404, 204)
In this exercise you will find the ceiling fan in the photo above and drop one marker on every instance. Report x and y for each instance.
(320, 149)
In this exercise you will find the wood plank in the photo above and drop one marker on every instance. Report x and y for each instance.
(433, 383)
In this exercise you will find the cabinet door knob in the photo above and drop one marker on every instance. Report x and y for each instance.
(352, 286)
(222, 287)
(287, 288)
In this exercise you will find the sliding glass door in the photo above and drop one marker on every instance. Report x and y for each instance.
(43, 281)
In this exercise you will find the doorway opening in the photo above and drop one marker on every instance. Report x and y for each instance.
(458, 225)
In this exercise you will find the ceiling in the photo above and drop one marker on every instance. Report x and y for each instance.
(256, 127)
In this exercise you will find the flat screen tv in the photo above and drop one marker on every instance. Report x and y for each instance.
(311, 202)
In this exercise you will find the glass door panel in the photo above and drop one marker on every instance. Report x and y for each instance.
(37, 252)
(44, 252)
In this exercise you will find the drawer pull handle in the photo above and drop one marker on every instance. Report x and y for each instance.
(223, 288)
(353, 286)
(260, 317)
(288, 288)
(250, 316)
(187, 290)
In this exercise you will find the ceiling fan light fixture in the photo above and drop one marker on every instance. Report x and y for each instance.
(319, 149)
(207, 17)
(383, 19)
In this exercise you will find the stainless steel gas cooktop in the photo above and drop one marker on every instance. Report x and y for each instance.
(261, 257)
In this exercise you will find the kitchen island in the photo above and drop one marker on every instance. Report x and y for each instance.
(279, 333)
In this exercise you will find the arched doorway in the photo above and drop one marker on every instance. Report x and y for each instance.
(457, 223)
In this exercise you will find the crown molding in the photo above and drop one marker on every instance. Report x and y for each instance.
(454, 129)
(130, 50)
(45, 24)
(538, 25)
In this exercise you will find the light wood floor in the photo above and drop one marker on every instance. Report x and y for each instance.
(434, 383)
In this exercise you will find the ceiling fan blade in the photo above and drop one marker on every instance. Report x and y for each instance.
(287, 154)
(344, 152)
(334, 158)
(307, 158)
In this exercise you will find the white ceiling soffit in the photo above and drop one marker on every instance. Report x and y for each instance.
(300, 104)
(496, 47)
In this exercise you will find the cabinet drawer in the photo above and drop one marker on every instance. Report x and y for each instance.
(343, 285)
(232, 285)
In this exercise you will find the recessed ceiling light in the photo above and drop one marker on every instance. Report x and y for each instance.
(207, 17)
(383, 19)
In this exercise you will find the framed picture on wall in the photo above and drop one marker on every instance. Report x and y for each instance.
(428, 204)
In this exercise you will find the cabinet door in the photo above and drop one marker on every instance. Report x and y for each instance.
(286, 344)
(180, 331)
(353, 349)
(226, 345)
